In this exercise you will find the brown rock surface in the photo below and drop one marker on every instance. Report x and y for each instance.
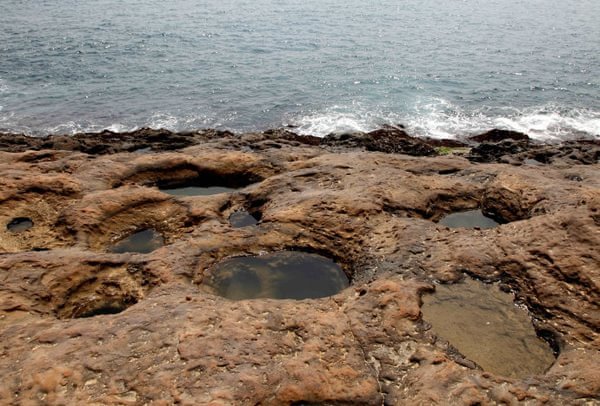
(174, 342)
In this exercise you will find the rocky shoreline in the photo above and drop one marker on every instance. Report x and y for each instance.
(370, 201)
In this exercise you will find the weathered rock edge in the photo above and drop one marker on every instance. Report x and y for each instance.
(493, 146)
(357, 198)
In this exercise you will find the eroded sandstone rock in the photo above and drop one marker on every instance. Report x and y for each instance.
(82, 325)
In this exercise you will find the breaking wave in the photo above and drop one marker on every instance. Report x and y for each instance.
(441, 119)
(435, 118)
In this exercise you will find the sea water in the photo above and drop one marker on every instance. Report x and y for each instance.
(442, 68)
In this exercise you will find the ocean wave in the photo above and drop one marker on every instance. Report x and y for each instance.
(340, 119)
(438, 118)
(441, 119)
(189, 121)
(10, 122)
(3, 89)
(552, 125)
(434, 118)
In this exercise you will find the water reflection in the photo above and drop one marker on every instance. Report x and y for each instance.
(282, 275)
(144, 241)
(468, 219)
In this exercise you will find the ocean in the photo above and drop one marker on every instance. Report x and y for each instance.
(444, 69)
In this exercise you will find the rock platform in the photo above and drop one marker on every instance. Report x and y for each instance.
(368, 201)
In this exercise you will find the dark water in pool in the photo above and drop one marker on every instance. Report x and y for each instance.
(197, 190)
(282, 275)
(103, 309)
(485, 325)
(241, 219)
(143, 242)
(19, 224)
(443, 68)
(468, 219)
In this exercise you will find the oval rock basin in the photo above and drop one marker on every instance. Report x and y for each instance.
(485, 325)
(468, 219)
(281, 275)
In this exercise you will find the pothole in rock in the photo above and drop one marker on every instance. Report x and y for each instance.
(468, 219)
(143, 242)
(242, 218)
(281, 275)
(19, 224)
(205, 184)
(485, 325)
(103, 289)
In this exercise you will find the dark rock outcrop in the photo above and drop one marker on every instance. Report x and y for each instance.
(497, 135)
(387, 139)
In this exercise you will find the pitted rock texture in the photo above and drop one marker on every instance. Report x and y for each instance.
(170, 340)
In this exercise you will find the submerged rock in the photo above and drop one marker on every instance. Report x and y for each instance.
(80, 325)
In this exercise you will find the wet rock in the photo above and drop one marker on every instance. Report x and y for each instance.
(109, 142)
(523, 152)
(446, 142)
(497, 135)
(497, 152)
(387, 139)
(282, 134)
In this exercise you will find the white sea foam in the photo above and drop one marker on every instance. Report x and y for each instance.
(438, 118)
(164, 121)
(547, 126)
(174, 122)
(70, 127)
(119, 128)
(3, 89)
(546, 123)
(323, 124)
(434, 118)
(338, 119)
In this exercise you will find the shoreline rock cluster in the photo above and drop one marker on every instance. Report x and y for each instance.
(503, 146)
(369, 201)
